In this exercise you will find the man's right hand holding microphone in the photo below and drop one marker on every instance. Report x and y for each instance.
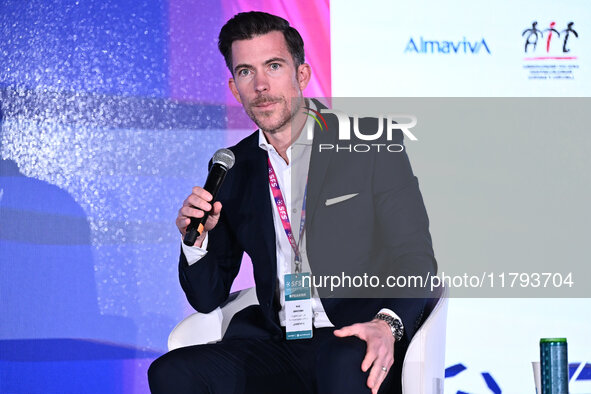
(195, 206)
(190, 220)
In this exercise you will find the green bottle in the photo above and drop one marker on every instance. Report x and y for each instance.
(554, 365)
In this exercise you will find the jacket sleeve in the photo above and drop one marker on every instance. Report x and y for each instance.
(405, 242)
(207, 282)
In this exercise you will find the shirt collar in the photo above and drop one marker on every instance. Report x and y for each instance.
(302, 138)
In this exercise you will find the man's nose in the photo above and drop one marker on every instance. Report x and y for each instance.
(261, 82)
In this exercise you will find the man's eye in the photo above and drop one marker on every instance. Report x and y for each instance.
(244, 72)
(275, 66)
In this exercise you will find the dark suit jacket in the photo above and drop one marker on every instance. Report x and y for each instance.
(382, 230)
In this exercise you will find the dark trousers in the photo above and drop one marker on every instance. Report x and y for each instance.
(323, 364)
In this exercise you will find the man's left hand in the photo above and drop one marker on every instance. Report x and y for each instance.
(380, 349)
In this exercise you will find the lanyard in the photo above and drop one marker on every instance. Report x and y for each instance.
(282, 209)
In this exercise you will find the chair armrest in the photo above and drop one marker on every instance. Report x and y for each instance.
(197, 329)
(424, 363)
(202, 328)
(237, 302)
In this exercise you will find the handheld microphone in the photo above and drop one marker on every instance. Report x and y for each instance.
(221, 163)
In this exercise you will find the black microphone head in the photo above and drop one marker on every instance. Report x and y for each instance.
(225, 157)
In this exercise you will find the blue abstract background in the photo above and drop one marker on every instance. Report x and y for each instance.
(109, 113)
(96, 159)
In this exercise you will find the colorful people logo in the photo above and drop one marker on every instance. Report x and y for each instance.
(533, 34)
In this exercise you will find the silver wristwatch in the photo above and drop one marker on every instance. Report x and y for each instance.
(395, 325)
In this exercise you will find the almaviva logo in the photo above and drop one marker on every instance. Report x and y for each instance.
(446, 47)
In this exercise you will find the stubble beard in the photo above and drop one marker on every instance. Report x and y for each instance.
(286, 116)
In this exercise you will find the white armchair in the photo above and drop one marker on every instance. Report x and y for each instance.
(423, 367)
(201, 328)
(423, 370)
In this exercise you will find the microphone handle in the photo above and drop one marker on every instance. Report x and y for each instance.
(212, 185)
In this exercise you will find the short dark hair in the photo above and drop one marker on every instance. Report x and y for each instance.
(246, 25)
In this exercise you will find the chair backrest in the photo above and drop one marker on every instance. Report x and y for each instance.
(424, 364)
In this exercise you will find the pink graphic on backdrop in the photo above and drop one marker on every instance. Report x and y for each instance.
(197, 72)
(312, 20)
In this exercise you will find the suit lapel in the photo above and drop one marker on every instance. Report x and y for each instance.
(264, 230)
(263, 205)
(319, 161)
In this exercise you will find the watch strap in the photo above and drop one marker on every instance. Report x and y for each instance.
(395, 325)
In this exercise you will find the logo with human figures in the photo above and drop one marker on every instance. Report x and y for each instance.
(552, 37)
(550, 50)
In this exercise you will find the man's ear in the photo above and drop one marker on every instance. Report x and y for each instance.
(234, 90)
(304, 74)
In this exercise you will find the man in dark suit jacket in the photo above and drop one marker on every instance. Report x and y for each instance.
(379, 225)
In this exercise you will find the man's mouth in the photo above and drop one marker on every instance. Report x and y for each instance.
(266, 104)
